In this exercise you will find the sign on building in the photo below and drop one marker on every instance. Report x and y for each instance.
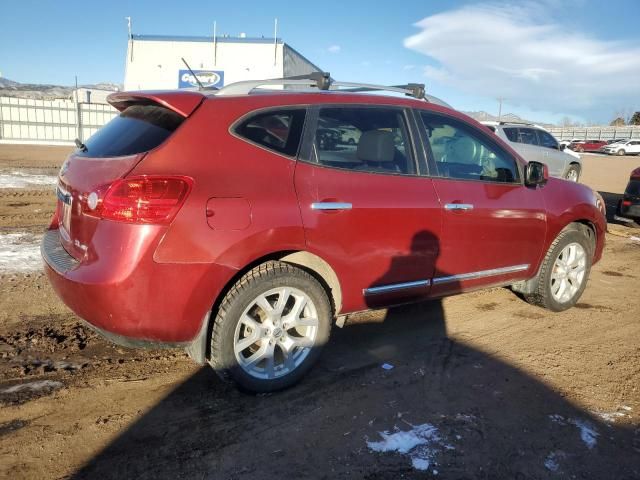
(208, 78)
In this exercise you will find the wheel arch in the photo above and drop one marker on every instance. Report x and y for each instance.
(200, 349)
(585, 225)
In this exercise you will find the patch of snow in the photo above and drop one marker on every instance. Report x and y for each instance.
(19, 179)
(588, 432)
(421, 444)
(20, 252)
(551, 463)
(627, 408)
(33, 386)
(555, 418)
(610, 417)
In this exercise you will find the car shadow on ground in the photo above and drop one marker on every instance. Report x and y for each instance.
(465, 413)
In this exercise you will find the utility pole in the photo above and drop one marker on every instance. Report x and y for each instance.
(275, 43)
(215, 43)
(500, 100)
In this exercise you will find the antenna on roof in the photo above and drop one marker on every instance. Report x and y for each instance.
(200, 86)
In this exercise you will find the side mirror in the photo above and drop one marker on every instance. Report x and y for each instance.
(535, 173)
(562, 147)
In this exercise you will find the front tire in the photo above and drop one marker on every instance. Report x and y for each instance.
(621, 152)
(565, 270)
(270, 328)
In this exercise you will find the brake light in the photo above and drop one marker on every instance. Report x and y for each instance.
(144, 199)
(626, 203)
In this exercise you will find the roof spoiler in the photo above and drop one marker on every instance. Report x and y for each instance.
(181, 102)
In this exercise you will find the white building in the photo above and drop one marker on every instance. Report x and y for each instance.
(155, 61)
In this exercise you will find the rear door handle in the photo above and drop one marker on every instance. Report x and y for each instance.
(330, 206)
(458, 206)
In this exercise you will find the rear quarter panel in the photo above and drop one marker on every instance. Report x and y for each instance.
(231, 172)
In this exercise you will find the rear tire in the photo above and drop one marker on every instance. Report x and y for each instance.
(565, 270)
(270, 328)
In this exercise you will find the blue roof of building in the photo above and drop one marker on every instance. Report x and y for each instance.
(221, 39)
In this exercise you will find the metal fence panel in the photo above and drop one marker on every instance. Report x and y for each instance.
(595, 133)
(50, 121)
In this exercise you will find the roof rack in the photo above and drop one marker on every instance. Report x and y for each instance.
(507, 122)
(321, 81)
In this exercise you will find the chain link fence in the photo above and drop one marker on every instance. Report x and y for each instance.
(55, 122)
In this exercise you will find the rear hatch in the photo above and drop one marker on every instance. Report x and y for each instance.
(146, 121)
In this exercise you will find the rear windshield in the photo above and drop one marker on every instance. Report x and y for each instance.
(633, 188)
(138, 128)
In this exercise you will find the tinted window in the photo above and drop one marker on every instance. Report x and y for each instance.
(138, 128)
(512, 134)
(546, 139)
(528, 136)
(364, 139)
(462, 152)
(633, 188)
(276, 130)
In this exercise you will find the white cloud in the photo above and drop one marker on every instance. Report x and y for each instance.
(334, 49)
(514, 51)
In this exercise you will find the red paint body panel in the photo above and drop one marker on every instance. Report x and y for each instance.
(80, 176)
(152, 282)
(120, 289)
(390, 235)
(504, 229)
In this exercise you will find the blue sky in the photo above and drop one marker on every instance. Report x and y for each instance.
(547, 58)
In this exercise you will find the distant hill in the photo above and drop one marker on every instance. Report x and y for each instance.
(9, 88)
(483, 116)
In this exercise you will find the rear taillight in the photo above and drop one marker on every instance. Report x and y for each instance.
(144, 199)
(626, 203)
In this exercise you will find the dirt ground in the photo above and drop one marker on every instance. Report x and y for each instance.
(482, 385)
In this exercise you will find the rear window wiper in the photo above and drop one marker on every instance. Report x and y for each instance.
(81, 146)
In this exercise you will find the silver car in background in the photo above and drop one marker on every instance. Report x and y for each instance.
(534, 143)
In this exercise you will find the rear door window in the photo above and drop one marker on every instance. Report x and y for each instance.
(277, 130)
(369, 139)
(546, 139)
(528, 136)
(512, 134)
(138, 128)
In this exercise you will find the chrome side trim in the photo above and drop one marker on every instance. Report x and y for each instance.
(394, 287)
(480, 274)
(331, 206)
(458, 206)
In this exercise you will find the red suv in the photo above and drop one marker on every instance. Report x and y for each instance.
(225, 223)
(587, 145)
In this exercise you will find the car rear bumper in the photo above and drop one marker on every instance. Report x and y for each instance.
(131, 299)
(630, 211)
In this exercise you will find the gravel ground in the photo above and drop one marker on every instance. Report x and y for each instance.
(482, 385)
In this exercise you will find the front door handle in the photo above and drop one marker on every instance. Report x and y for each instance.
(330, 206)
(458, 206)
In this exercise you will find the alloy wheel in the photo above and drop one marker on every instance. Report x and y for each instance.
(568, 272)
(275, 333)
